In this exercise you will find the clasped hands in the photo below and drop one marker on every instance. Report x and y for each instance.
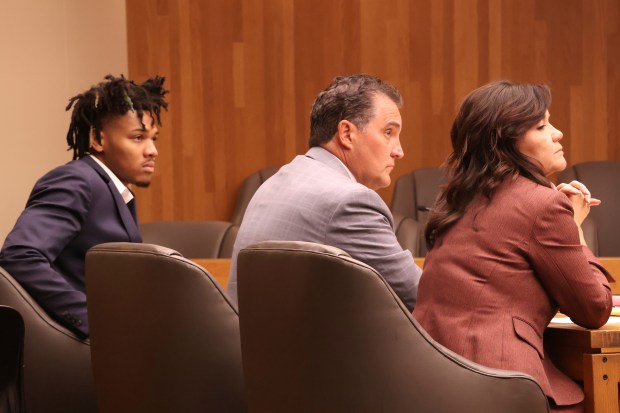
(580, 197)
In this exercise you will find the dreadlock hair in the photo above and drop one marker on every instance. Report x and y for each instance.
(113, 97)
(484, 136)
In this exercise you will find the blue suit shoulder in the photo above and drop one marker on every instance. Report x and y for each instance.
(75, 177)
(79, 169)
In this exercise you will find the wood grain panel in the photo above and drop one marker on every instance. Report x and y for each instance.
(244, 74)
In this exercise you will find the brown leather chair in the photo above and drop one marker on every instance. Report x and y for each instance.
(57, 368)
(164, 336)
(193, 239)
(322, 332)
(248, 187)
(11, 360)
(414, 194)
(602, 179)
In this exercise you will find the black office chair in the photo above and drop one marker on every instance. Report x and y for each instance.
(11, 360)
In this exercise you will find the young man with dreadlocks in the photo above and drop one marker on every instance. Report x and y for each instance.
(86, 201)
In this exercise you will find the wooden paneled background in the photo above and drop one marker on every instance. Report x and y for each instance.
(243, 75)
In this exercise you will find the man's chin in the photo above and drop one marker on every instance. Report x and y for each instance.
(384, 183)
(379, 185)
(142, 184)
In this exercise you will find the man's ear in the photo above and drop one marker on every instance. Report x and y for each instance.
(96, 144)
(346, 133)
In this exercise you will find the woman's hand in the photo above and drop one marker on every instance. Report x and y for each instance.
(581, 199)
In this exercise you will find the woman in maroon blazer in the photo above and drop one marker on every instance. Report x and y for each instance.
(506, 247)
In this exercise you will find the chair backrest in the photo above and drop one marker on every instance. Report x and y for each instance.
(408, 233)
(57, 368)
(322, 332)
(602, 179)
(248, 187)
(11, 360)
(414, 194)
(164, 336)
(193, 239)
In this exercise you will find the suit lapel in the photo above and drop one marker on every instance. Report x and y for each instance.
(129, 222)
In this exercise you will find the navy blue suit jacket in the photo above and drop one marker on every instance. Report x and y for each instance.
(71, 208)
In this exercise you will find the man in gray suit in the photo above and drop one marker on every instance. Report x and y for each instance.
(328, 195)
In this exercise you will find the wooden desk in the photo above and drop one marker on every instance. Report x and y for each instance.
(591, 356)
(217, 267)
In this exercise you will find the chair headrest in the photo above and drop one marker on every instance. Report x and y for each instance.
(134, 247)
(301, 246)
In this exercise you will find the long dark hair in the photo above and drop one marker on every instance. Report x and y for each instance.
(484, 142)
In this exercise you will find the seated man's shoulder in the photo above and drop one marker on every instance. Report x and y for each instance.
(76, 179)
(336, 189)
(77, 170)
(361, 193)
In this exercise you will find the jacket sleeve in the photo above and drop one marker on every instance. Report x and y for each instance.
(53, 216)
(570, 273)
(362, 225)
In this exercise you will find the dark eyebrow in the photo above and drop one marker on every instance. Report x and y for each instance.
(393, 124)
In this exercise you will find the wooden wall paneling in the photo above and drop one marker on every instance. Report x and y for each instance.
(249, 132)
(430, 89)
(244, 73)
(280, 127)
(384, 47)
(495, 27)
(147, 56)
(563, 45)
(612, 23)
(326, 44)
(465, 34)
(613, 96)
(432, 139)
(225, 35)
(594, 73)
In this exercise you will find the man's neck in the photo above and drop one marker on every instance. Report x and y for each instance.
(121, 187)
(338, 154)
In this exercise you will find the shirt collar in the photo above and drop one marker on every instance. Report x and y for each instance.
(345, 167)
(122, 189)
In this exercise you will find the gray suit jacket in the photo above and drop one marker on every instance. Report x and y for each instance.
(314, 199)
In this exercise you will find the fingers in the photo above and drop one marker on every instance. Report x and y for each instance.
(582, 188)
(568, 189)
(576, 188)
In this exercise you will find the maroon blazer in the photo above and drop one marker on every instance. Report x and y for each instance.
(497, 277)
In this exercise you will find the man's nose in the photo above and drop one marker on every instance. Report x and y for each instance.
(397, 150)
(151, 149)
